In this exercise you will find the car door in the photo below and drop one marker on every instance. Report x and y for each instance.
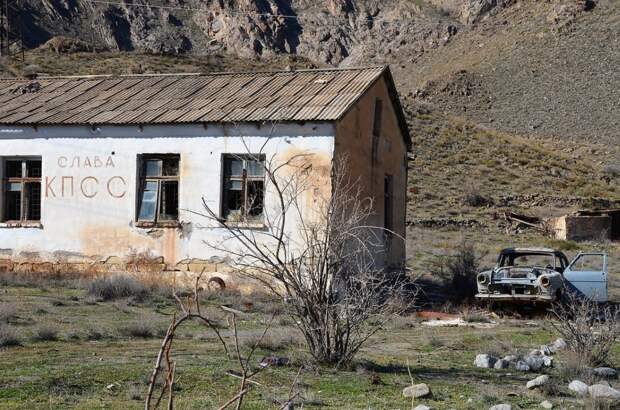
(587, 274)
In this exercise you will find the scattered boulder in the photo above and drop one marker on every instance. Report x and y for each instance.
(485, 361)
(511, 358)
(605, 372)
(601, 391)
(501, 364)
(536, 352)
(537, 382)
(416, 391)
(502, 406)
(522, 366)
(546, 404)
(547, 361)
(578, 387)
(559, 344)
(534, 362)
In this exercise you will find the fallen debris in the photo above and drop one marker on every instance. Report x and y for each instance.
(459, 323)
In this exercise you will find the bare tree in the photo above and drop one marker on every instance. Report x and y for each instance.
(191, 310)
(589, 329)
(317, 253)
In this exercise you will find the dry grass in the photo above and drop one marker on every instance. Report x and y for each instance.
(273, 341)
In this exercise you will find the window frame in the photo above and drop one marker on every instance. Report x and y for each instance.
(244, 179)
(25, 179)
(143, 180)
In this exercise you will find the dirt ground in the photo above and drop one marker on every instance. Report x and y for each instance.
(77, 351)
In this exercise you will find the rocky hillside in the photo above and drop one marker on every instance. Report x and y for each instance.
(508, 98)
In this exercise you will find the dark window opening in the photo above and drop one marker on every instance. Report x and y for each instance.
(376, 128)
(159, 188)
(22, 190)
(243, 188)
(388, 204)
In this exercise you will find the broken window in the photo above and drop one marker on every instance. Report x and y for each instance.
(243, 188)
(22, 190)
(376, 128)
(159, 188)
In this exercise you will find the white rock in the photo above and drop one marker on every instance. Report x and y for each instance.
(417, 391)
(422, 407)
(501, 407)
(559, 344)
(522, 366)
(605, 372)
(485, 361)
(536, 352)
(511, 358)
(547, 361)
(544, 349)
(535, 362)
(501, 364)
(537, 382)
(546, 404)
(601, 391)
(578, 387)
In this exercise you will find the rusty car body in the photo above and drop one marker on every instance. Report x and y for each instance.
(541, 275)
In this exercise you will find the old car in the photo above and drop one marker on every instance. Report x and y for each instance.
(541, 275)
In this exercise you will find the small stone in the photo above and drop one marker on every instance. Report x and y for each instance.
(536, 352)
(605, 372)
(537, 382)
(502, 406)
(422, 407)
(559, 344)
(600, 391)
(578, 387)
(534, 362)
(485, 361)
(544, 349)
(501, 364)
(511, 358)
(522, 366)
(417, 391)
(546, 404)
(547, 361)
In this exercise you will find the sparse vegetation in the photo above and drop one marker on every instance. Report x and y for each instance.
(589, 329)
(45, 333)
(116, 287)
(8, 336)
(458, 273)
(138, 329)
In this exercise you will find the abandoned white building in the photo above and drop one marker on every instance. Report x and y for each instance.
(96, 169)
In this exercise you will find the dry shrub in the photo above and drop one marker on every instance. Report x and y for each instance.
(589, 329)
(45, 334)
(8, 312)
(272, 341)
(474, 198)
(458, 273)
(138, 329)
(116, 287)
(8, 336)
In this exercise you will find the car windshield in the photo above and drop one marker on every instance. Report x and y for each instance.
(528, 260)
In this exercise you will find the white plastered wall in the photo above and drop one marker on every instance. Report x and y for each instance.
(90, 210)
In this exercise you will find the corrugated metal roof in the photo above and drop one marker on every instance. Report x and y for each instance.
(304, 95)
(235, 97)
